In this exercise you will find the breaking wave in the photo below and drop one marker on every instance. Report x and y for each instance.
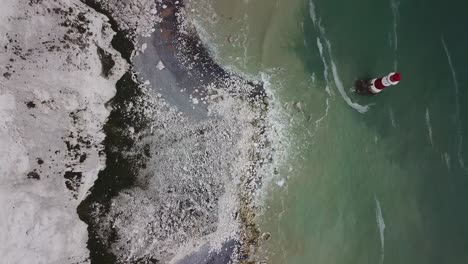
(331, 64)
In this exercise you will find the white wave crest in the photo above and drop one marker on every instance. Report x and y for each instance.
(429, 127)
(457, 106)
(325, 65)
(395, 13)
(381, 226)
(313, 15)
(446, 159)
(392, 117)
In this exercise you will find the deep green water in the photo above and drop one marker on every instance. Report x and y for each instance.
(386, 186)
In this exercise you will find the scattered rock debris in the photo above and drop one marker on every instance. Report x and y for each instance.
(193, 182)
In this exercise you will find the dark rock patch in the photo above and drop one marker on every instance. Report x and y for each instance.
(35, 2)
(82, 157)
(30, 104)
(73, 181)
(33, 175)
(106, 61)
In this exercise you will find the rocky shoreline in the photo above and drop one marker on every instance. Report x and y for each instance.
(184, 142)
(203, 143)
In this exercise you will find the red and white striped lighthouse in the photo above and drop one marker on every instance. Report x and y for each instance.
(378, 84)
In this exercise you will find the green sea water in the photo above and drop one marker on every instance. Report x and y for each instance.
(363, 179)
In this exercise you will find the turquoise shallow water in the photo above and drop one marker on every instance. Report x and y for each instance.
(385, 186)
